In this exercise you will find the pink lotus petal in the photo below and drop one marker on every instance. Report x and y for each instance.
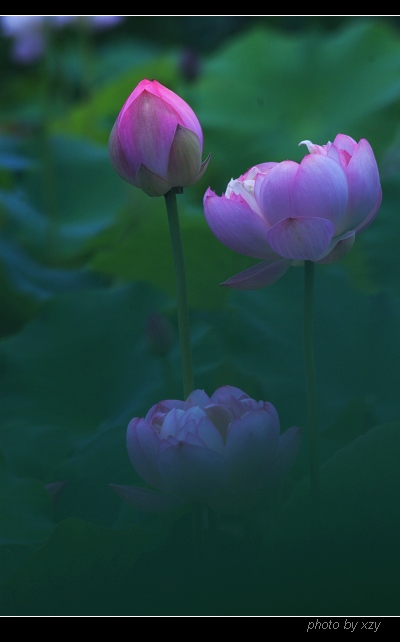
(268, 407)
(301, 238)
(221, 416)
(192, 439)
(250, 447)
(195, 413)
(142, 442)
(185, 114)
(338, 248)
(210, 435)
(258, 276)
(320, 189)
(237, 226)
(118, 158)
(364, 186)
(366, 222)
(245, 184)
(146, 132)
(247, 405)
(197, 398)
(163, 408)
(347, 143)
(261, 168)
(224, 395)
(273, 192)
(192, 472)
(286, 453)
(170, 425)
(338, 155)
(190, 426)
(315, 149)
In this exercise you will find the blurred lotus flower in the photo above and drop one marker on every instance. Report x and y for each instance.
(28, 39)
(104, 22)
(29, 32)
(222, 450)
(157, 142)
(284, 212)
(93, 22)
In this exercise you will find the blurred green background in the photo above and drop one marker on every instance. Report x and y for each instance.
(87, 288)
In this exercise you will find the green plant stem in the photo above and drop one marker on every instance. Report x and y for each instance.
(181, 292)
(311, 382)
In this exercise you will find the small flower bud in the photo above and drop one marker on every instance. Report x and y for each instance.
(157, 142)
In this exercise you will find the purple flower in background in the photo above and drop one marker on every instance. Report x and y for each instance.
(285, 212)
(223, 450)
(157, 141)
(29, 37)
(104, 22)
(93, 22)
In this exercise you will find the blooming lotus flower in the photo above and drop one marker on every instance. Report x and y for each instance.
(157, 142)
(222, 450)
(285, 212)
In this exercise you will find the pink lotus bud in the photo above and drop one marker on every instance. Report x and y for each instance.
(222, 450)
(157, 142)
(285, 212)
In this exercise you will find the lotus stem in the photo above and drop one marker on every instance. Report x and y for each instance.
(181, 291)
(311, 382)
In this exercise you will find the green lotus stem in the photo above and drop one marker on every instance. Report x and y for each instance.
(181, 291)
(311, 382)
